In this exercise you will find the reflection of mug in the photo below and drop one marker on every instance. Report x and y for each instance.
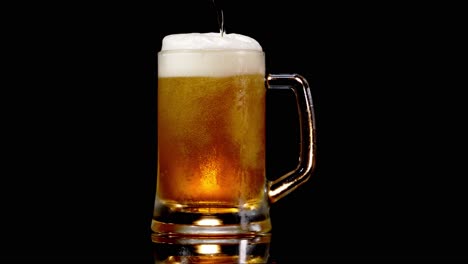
(211, 142)
(195, 249)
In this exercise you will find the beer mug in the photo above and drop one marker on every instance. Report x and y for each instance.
(211, 137)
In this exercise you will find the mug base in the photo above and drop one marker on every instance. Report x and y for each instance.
(237, 230)
(210, 220)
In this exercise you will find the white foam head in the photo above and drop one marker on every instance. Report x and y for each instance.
(209, 41)
(210, 54)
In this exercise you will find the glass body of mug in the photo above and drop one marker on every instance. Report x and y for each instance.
(211, 138)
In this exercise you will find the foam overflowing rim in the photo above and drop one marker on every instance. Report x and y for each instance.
(210, 62)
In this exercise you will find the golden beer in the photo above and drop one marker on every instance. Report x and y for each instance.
(211, 140)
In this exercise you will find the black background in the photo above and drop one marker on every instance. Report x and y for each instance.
(80, 122)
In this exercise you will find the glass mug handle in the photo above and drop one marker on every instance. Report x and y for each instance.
(288, 182)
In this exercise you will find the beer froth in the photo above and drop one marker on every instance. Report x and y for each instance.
(210, 54)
